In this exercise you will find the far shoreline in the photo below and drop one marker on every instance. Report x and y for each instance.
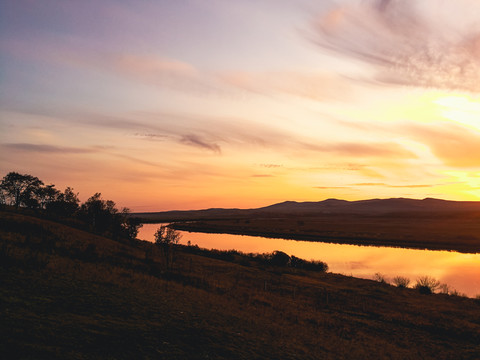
(347, 240)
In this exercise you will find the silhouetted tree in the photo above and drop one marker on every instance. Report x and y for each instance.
(130, 225)
(92, 211)
(102, 215)
(166, 238)
(46, 195)
(65, 204)
(18, 189)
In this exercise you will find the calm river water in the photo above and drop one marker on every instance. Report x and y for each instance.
(459, 271)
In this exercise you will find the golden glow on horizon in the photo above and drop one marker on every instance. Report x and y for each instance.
(466, 182)
(462, 109)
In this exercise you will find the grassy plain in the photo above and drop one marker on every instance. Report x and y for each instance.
(66, 293)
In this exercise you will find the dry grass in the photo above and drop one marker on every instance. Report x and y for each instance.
(69, 294)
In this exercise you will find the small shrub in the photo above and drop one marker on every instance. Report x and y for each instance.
(279, 258)
(454, 292)
(427, 285)
(444, 289)
(401, 281)
(316, 265)
(380, 278)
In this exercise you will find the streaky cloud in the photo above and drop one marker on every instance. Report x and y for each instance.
(271, 166)
(396, 186)
(364, 149)
(455, 145)
(369, 184)
(318, 86)
(331, 187)
(413, 186)
(133, 159)
(197, 141)
(151, 136)
(406, 41)
(42, 148)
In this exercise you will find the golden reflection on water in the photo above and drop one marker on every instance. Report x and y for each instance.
(459, 271)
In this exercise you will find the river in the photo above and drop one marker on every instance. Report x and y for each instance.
(459, 271)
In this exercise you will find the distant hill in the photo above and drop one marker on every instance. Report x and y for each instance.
(329, 206)
(375, 206)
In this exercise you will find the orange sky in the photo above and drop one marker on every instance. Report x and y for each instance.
(195, 104)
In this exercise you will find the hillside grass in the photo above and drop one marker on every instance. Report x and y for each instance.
(66, 293)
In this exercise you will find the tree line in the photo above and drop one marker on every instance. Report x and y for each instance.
(97, 214)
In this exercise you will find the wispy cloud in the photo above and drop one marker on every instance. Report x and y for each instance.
(106, 121)
(207, 132)
(172, 73)
(65, 150)
(42, 148)
(455, 145)
(431, 43)
(151, 136)
(331, 187)
(364, 149)
(197, 141)
(262, 176)
(312, 85)
(271, 166)
(369, 184)
(396, 186)
(133, 159)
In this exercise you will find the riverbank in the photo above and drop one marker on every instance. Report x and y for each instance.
(451, 232)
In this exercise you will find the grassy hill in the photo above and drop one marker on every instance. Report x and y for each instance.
(66, 293)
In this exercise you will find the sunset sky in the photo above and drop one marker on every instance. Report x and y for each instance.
(192, 104)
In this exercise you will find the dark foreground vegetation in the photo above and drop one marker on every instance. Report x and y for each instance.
(71, 294)
(29, 193)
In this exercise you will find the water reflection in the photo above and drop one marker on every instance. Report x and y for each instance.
(459, 271)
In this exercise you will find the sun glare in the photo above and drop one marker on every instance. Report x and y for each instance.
(462, 109)
(463, 182)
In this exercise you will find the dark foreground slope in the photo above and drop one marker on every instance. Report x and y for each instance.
(69, 294)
